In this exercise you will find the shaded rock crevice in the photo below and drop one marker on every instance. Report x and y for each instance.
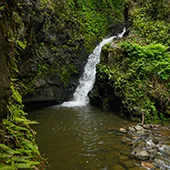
(5, 91)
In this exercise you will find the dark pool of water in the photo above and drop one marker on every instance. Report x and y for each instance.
(82, 138)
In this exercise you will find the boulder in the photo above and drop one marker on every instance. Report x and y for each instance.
(122, 130)
(131, 129)
(141, 132)
(139, 128)
(165, 149)
(147, 165)
(153, 152)
(142, 155)
(40, 83)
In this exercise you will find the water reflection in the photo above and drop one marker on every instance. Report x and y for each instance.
(81, 138)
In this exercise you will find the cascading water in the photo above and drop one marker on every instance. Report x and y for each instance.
(88, 78)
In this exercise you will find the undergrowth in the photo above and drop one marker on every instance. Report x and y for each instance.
(18, 149)
(140, 77)
(138, 70)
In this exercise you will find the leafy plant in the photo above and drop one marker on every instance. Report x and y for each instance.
(139, 78)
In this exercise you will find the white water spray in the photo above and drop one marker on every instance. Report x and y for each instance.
(87, 80)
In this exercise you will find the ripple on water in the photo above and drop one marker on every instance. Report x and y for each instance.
(81, 138)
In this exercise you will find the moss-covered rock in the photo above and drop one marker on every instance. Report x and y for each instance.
(53, 39)
(136, 74)
(44, 46)
(136, 69)
(5, 91)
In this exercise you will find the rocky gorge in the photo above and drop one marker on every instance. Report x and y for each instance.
(44, 46)
(43, 50)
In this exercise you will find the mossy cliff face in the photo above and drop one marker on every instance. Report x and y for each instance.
(134, 78)
(5, 76)
(54, 39)
(44, 46)
(18, 149)
(134, 72)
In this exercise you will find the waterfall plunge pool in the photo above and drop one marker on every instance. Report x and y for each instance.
(82, 138)
(76, 136)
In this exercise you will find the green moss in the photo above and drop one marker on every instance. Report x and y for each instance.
(19, 150)
(150, 20)
(76, 26)
(95, 18)
(65, 73)
(139, 78)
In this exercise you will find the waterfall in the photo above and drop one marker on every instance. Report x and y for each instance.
(87, 80)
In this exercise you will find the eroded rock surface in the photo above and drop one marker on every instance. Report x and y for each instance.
(4, 75)
(149, 144)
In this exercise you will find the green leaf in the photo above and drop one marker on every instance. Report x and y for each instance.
(2, 8)
(7, 149)
(21, 44)
(6, 167)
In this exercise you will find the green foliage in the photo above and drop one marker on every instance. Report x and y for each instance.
(2, 8)
(95, 17)
(22, 153)
(65, 73)
(158, 9)
(151, 20)
(150, 59)
(140, 79)
(19, 150)
(21, 44)
(15, 95)
(47, 4)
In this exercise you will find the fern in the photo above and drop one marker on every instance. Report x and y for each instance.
(21, 44)
(7, 149)
(24, 121)
(6, 167)
(29, 145)
(2, 8)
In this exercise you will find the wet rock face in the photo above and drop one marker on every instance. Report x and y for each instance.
(149, 144)
(50, 41)
(50, 89)
(52, 61)
(57, 46)
(4, 76)
(103, 94)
